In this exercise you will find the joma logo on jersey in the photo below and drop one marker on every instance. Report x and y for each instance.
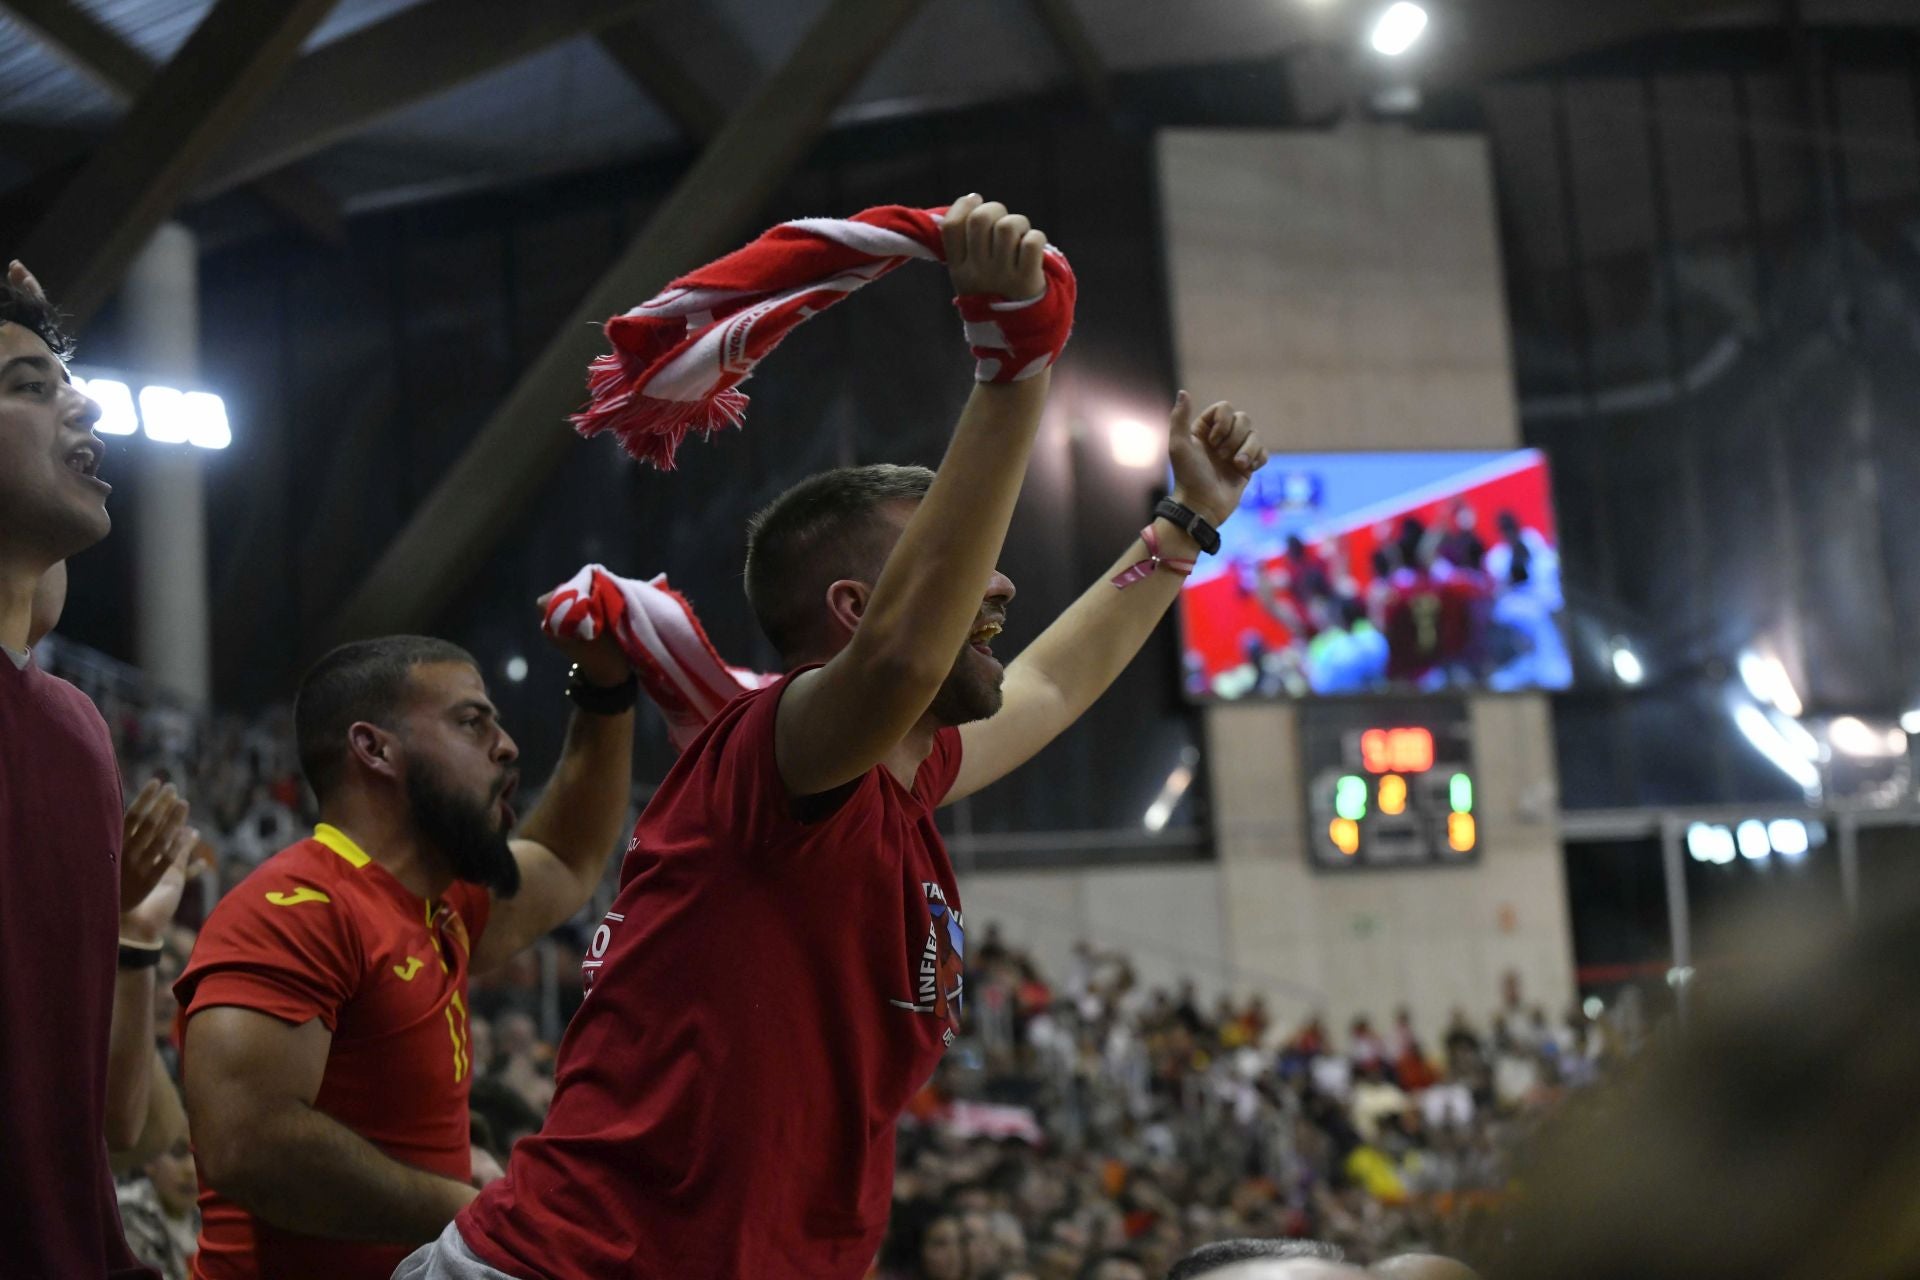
(301, 893)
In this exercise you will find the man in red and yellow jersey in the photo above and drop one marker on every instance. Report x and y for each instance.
(326, 1058)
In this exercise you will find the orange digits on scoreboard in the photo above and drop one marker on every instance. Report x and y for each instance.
(1396, 750)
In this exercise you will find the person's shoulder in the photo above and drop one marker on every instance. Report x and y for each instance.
(305, 873)
(67, 701)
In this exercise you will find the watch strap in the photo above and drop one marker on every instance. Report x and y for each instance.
(1204, 535)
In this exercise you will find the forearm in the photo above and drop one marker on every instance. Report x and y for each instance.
(928, 595)
(304, 1171)
(129, 1057)
(1089, 645)
(584, 809)
(166, 1122)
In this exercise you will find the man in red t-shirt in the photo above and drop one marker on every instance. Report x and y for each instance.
(326, 1057)
(76, 1033)
(781, 969)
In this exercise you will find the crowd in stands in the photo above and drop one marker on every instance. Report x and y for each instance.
(1096, 1130)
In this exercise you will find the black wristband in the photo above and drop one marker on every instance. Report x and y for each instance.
(1204, 535)
(600, 699)
(139, 957)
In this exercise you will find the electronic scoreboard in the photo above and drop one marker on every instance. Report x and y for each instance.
(1389, 784)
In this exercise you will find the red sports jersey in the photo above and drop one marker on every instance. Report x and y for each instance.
(774, 982)
(320, 930)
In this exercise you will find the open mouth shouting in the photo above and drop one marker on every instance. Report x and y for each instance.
(982, 638)
(84, 461)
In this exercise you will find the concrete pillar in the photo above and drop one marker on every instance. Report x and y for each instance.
(161, 305)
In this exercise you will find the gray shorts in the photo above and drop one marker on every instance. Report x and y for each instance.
(447, 1258)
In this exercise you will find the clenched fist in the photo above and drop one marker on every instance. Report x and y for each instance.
(992, 251)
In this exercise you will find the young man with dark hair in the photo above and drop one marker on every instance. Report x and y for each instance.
(781, 970)
(76, 1035)
(327, 1056)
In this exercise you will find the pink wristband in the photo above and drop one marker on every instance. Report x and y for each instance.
(1141, 570)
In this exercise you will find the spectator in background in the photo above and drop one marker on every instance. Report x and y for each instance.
(1115, 1265)
(68, 1085)
(160, 1214)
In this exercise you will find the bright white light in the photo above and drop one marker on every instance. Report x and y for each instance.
(1767, 680)
(1161, 810)
(1398, 28)
(1593, 1006)
(516, 668)
(1855, 737)
(1788, 836)
(1769, 742)
(1910, 722)
(116, 405)
(1797, 736)
(1752, 835)
(1626, 663)
(163, 412)
(1181, 777)
(1135, 444)
(207, 426)
(1709, 843)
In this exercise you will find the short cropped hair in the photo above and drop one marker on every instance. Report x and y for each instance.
(365, 680)
(31, 311)
(825, 528)
(1212, 1257)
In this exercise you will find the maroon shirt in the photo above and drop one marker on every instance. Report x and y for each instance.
(60, 811)
(774, 982)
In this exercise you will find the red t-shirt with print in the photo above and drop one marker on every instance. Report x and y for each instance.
(773, 983)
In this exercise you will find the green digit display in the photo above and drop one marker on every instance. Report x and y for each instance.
(1350, 798)
(1460, 793)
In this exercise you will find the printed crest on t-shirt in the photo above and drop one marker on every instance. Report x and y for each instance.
(939, 975)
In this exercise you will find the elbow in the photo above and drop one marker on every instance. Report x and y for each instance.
(227, 1159)
(125, 1123)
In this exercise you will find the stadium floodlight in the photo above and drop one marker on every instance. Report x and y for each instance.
(117, 417)
(1399, 28)
(1850, 735)
(1788, 836)
(1910, 722)
(163, 412)
(1627, 666)
(207, 426)
(1135, 444)
(1752, 838)
(1767, 680)
(1771, 743)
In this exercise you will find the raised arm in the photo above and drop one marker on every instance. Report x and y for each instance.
(260, 1142)
(564, 844)
(1073, 661)
(839, 721)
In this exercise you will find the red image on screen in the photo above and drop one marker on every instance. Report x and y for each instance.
(1373, 573)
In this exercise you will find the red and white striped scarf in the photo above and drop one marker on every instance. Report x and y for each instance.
(656, 627)
(680, 357)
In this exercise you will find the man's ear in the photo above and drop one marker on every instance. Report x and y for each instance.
(375, 748)
(847, 604)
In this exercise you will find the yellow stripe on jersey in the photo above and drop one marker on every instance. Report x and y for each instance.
(341, 843)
